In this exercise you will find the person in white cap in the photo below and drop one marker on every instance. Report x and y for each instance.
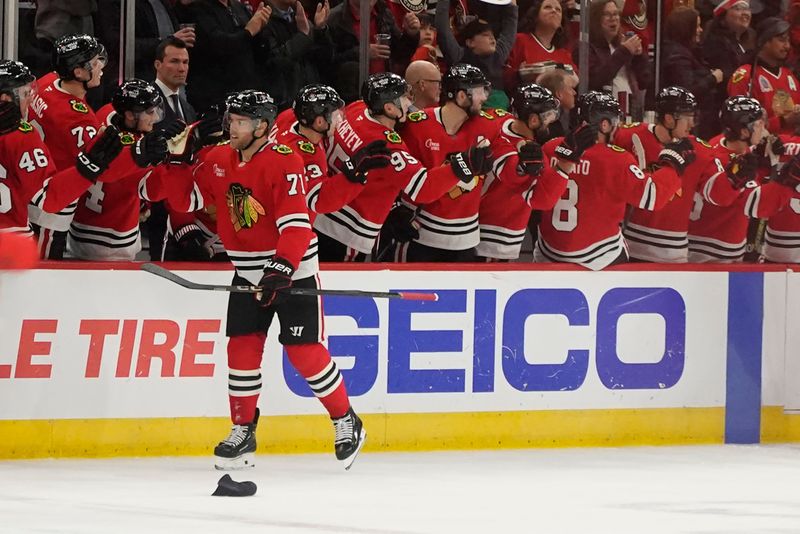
(727, 45)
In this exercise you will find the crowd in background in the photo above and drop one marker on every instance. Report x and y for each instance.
(199, 51)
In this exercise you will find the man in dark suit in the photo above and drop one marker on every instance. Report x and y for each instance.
(172, 68)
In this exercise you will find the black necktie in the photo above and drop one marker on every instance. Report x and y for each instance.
(177, 106)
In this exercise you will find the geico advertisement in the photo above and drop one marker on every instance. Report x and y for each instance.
(83, 343)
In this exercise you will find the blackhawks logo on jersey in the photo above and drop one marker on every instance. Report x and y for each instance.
(616, 148)
(282, 149)
(25, 127)
(126, 138)
(738, 75)
(486, 115)
(417, 116)
(393, 137)
(703, 142)
(307, 147)
(500, 112)
(243, 207)
(78, 106)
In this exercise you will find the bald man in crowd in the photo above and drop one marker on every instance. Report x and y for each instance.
(425, 81)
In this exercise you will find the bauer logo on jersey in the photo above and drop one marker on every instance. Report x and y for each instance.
(738, 76)
(393, 137)
(244, 209)
(282, 149)
(78, 106)
(25, 127)
(307, 147)
(417, 116)
(126, 139)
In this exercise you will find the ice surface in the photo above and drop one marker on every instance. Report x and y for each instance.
(713, 489)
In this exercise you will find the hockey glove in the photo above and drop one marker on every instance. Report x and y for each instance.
(531, 159)
(192, 243)
(790, 173)
(474, 162)
(742, 170)
(373, 156)
(678, 155)
(93, 163)
(9, 117)
(401, 225)
(150, 149)
(172, 129)
(277, 276)
(576, 142)
(209, 129)
(769, 146)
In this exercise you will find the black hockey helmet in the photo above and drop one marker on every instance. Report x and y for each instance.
(254, 104)
(532, 98)
(136, 96)
(675, 100)
(73, 51)
(316, 100)
(14, 75)
(463, 77)
(382, 88)
(593, 107)
(739, 112)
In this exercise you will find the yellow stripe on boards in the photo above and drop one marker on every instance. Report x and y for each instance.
(778, 426)
(386, 432)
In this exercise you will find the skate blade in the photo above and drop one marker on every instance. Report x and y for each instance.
(245, 461)
(348, 462)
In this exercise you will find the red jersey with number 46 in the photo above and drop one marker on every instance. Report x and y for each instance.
(25, 163)
(584, 225)
(662, 236)
(507, 197)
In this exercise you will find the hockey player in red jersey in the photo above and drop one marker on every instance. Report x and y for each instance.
(662, 236)
(719, 226)
(67, 124)
(584, 225)
(448, 226)
(260, 187)
(521, 178)
(318, 110)
(350, 233)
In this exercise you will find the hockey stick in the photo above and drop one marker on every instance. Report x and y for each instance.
(183, 282)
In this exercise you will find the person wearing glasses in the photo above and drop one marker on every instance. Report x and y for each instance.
(425, 81)
(617, 62)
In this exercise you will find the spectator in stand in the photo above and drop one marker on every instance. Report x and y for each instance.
(480, 49)
(345, 27)
(681, 63)
(428, 49)
(617, 63)
(229, 50)
(793, 17)
(299, 47)
(724, 47)
(155, 20)
(57, 18)
(541, 42)
(425, 81)
(768, 81)
(562, 84)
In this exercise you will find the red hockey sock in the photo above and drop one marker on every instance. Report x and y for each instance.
(244, 376)
(314, 363)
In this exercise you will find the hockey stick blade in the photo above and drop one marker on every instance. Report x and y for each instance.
(183, 282)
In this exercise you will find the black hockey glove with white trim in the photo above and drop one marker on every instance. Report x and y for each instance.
(531, 159)
(94, 162)
(576, 142)
(373, 156)
(150, 149)
(678, 155)
(789, 175)
(277, 276)
(476, 161)
(401, 225)
(742, 170)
